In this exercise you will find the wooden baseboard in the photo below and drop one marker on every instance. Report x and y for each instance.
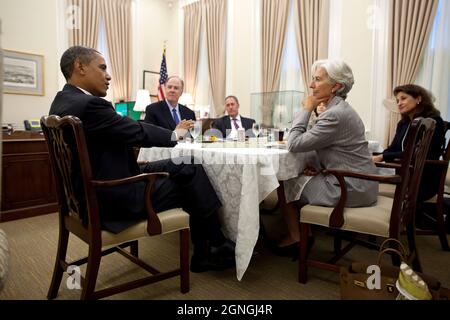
(22, 213)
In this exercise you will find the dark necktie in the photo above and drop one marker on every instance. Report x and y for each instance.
(175, 116)
(235, 123)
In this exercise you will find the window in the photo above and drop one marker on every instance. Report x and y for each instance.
(102, 47)
(434, 70)
(291, 78)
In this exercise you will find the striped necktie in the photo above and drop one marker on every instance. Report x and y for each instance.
(235, 123)
(175, 116)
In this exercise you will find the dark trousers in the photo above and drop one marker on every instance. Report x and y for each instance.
(188, 187)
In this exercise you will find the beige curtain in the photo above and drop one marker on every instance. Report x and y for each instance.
(411, 22)
(192, 36)
(117, 16)
(311, 29)
(274, 23)
(216, 26)
(84, 28)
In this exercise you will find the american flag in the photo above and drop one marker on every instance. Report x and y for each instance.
(162, 77)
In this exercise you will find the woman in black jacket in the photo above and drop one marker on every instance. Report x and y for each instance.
(414, 101)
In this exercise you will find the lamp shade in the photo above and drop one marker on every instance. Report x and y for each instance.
(142, 100)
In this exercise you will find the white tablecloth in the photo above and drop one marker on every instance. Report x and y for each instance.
(242, 177)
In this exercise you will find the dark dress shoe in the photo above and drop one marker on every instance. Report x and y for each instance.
(226, 249)
(293, 250)
(287, 251)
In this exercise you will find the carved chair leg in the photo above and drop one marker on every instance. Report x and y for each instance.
(303, 255)
(92, 267)
(441, 227)
(412, 246)
(184, 260)
(58, 269)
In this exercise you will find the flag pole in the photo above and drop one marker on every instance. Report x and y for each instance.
(162, 75)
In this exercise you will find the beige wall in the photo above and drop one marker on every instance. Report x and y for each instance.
(157, 23)
(34, 30)
(240, 54)
(356, 50)
(30, 26)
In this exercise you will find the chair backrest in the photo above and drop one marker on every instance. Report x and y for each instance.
(207, 124)
(72, 169)
(445, 154)
(445, 149)
(412, 164)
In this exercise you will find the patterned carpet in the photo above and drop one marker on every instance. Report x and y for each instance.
(33, 241)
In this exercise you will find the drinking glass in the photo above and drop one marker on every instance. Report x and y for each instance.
(286, 134)
(256, 128)
(196, 130)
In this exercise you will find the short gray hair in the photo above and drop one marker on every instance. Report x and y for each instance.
(179, 78)
(84, 54)
(233, 97)
(338, 72)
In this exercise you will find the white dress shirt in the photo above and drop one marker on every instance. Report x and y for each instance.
(233, 133)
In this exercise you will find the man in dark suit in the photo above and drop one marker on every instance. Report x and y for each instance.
(111, 138)
(169, 113)
(229, 124)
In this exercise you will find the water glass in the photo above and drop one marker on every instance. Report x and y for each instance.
(196, 130)
(256, 128)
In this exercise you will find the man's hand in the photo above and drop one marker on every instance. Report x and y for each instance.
(182, 128)
(185, 124)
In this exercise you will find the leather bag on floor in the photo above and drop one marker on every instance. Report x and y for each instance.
(356, 283)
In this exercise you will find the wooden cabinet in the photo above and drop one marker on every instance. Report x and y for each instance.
(28, 187)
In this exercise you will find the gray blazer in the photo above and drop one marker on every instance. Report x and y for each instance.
(338, 139)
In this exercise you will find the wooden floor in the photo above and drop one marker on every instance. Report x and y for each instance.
(33, 246)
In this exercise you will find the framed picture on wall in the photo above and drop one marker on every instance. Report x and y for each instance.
(23, 73)
(150, 82)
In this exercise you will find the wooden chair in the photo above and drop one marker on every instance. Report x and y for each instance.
(79, 214)
(207, 124)
(438, 199)
(387, 218)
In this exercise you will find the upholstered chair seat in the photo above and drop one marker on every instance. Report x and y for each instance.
(386, 190)
(368, 220)
(171, 220)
